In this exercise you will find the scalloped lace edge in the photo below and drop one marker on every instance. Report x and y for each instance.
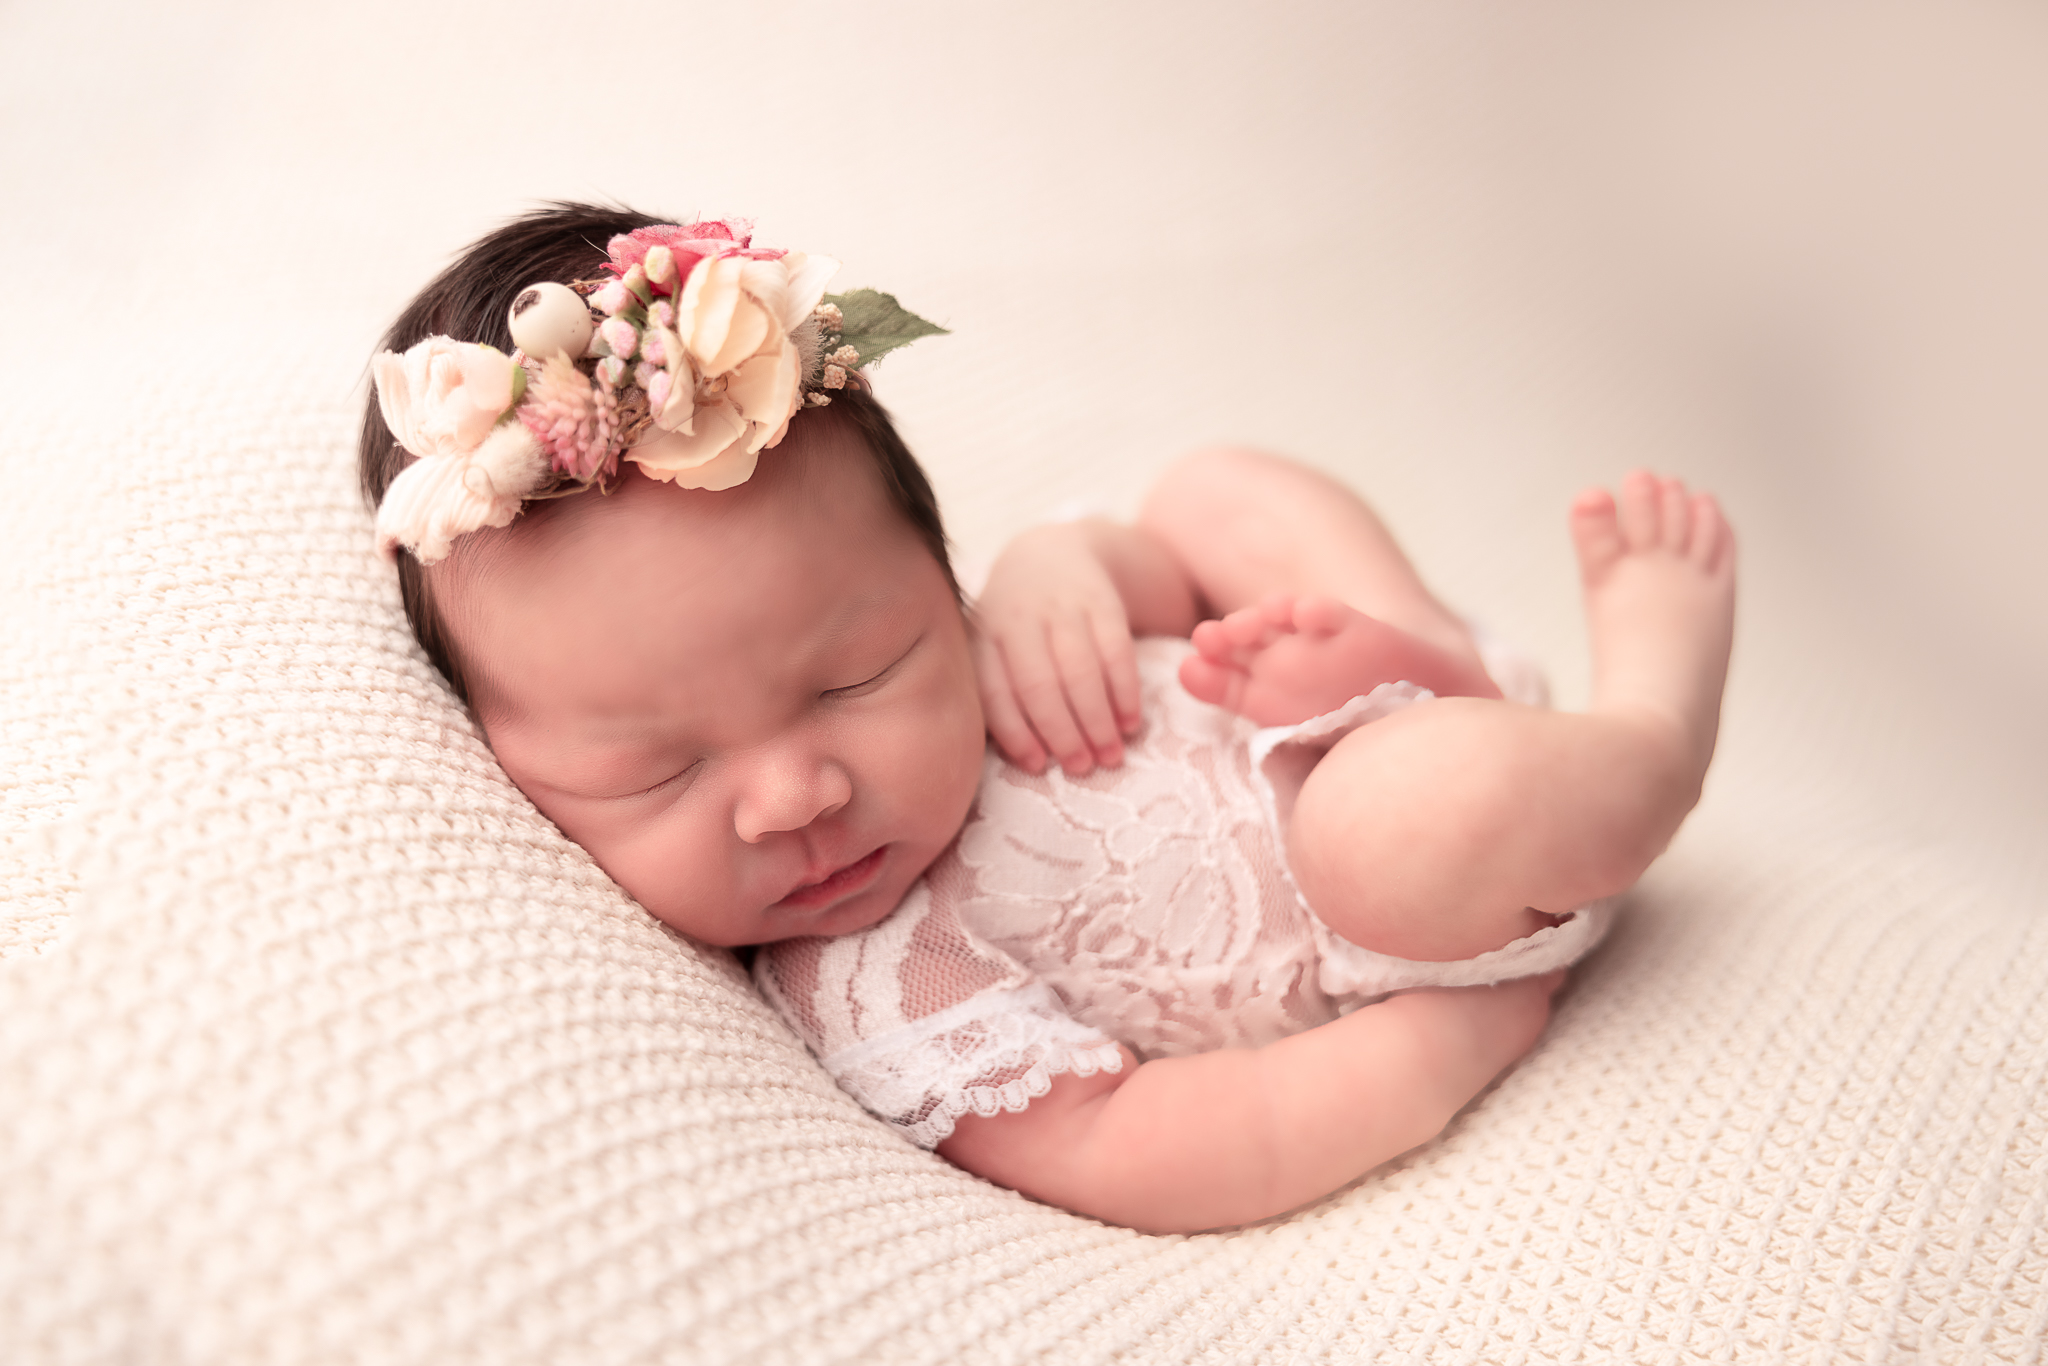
(923, 1076)
(1012, 1096)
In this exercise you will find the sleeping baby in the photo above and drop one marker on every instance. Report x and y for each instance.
(1203, 865)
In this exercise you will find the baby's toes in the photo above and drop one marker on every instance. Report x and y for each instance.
(1642, 498)
(1276, 610)
(1320, 616)
(1596, 532)
(1713, 544)
(1214, 683)
(1249, 629)
(1212, 642)
(1674, 514)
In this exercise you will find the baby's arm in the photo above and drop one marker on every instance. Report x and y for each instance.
(1219, 1139)
(1053, 641)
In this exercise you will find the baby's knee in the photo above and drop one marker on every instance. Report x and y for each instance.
(1218, 480)
(1397, 844)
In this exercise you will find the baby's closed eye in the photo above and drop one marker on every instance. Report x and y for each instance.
(674, 780)
(873, 681)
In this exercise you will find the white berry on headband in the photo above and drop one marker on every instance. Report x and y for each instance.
(549, 318)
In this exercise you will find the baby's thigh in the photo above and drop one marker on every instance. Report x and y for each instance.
(1246, 524)
(1405, 835)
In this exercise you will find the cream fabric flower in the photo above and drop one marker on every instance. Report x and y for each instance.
(442, 397)
(681, 459)
(735, 375)
(440, 497)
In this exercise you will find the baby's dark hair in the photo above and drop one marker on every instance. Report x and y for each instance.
(471, 301)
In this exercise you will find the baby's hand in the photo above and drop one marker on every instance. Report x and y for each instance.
(1057, 669)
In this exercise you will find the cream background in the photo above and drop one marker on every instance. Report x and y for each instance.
(317, 1036)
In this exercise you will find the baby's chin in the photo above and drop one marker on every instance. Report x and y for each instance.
(857, 914)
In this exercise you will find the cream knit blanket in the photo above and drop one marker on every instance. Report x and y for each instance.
(317, 1044)
(348, 1055)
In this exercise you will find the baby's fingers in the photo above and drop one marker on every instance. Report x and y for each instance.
(1006, 724)
(1035, 679)
(1119, 656)
(1086, 700)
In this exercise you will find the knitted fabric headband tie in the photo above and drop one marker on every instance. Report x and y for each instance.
(687, 360)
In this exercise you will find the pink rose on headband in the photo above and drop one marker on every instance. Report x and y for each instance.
(685, 244)
(734, 374)
(442, 397)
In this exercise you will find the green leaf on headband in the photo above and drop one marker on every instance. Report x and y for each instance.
(876, 324)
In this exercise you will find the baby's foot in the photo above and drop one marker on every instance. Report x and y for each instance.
(1291, 658)
(1659, 573)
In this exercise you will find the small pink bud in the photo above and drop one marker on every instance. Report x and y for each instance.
(635, 281)
(620, 336)
(657, 386)
(610, 297)
(660, 265)
(663, 312)
(654, 347)
(611, 369)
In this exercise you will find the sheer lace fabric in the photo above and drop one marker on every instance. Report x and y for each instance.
(1149, 905)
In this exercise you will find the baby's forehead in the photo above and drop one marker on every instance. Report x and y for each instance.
(819, 483)
(796, 555)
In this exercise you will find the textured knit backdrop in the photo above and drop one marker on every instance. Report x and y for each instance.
(317, 1044)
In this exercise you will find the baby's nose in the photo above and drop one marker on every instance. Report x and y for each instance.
(788, 793)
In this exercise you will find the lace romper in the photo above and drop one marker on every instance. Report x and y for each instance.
(1148, 905)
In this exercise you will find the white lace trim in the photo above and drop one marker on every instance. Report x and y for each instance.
(991, 1053)
(1283, 755)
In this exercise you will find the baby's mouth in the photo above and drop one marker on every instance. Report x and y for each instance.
(833, 886)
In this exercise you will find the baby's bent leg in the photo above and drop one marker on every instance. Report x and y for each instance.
(1444, 830)
(1247, 525)
(1458, 825)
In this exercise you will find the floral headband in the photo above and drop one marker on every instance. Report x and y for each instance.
(688, 361)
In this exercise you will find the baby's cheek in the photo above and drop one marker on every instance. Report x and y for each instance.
(962, 751)
(668, 866)
(933, 761)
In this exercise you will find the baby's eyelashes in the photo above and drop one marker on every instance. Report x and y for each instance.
(860, 689)
(869, 684)
(675, 780)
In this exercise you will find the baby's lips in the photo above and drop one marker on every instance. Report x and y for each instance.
(814, 880)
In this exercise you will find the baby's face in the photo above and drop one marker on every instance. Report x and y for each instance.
(756, 708)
